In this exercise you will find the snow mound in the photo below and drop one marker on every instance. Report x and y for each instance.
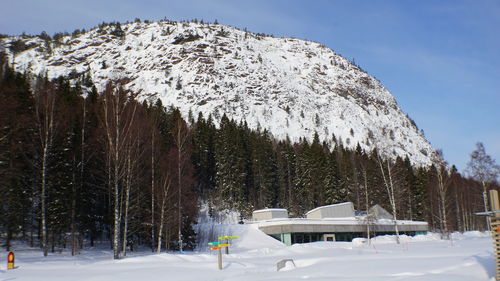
(250, 237)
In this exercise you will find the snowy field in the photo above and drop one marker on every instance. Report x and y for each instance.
(466, 257)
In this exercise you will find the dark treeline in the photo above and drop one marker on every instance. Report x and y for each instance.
(77, 165)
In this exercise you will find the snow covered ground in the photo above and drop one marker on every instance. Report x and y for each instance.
(254, 256)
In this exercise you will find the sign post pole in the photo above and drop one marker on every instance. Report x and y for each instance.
(495, 228)
(218, 246)
(219, 258)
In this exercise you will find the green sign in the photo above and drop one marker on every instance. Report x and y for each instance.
(213, 243)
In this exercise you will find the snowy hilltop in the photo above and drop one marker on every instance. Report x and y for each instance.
(290, 87)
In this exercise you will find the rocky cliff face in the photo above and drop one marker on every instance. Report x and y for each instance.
(291, 87)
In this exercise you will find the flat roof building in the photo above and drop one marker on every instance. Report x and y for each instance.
(332, 223)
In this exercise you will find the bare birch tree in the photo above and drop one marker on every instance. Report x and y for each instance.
(391, 191)
(119, 115)
(483, 168)
(181, 136)
(443, 184)
(153, 166)
(163, 194)
(369, 219)
(74, 242)
(155, 136)
(45, 102)
(134, 153)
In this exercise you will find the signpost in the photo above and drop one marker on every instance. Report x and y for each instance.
(495, 226)
(494, 216)
(218, 246)
(10, 261)
(226, 239)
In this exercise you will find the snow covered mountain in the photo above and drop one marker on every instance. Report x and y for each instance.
(289, 86)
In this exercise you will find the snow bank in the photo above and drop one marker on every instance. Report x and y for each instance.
(467, 257)
(431, 236)
(225, 224)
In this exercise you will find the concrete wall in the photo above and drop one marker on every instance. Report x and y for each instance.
(268, 214)
(332, 211)
(336, 228)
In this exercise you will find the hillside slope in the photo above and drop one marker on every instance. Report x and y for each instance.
(291, 87)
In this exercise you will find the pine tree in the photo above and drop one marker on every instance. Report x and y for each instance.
(286, 174)
(16, 134)
(230, 166)
(203, 154)
(334, 193)
(265, 174)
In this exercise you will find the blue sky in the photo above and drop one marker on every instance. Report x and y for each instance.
(440, 59)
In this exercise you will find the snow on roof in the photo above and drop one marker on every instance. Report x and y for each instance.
(329, 206)
(270, 209)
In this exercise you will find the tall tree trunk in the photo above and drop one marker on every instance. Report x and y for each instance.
(289, 183)
(485, 202)
(117, 203)
(367, 207)
(73, 212)
(45, 246)
(119, 118)
(127, 202)
(44, 106)
(162, 219)
(74, 243)
(179, 148)
(442, 188)
(117, 218)
(389, 185)
(153, 190)
(180, 140)
(410, 206)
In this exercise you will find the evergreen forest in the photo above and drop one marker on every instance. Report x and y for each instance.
(80, 167)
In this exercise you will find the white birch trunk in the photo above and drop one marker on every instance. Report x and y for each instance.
(485, 202)
(45, 247)
(179, 151)
(153, 190)
(389, 185)
(117, 217)
(127, 203)
(442, 188)
(165, 193)
(160, 230)
(367, 207)
(46, 129)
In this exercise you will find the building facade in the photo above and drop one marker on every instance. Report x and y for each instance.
(336, 222)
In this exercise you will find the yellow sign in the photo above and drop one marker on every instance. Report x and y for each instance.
(228, 237)
(224, 245)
